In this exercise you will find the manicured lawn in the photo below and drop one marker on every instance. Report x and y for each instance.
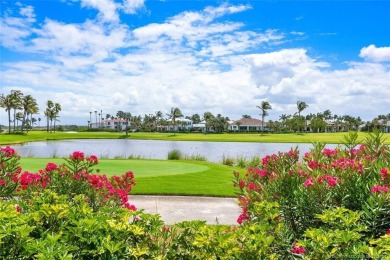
(161, 177)
(330, 138)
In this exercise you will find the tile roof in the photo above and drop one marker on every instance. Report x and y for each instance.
(248, 122)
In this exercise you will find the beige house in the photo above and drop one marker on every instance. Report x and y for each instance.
(247, 124)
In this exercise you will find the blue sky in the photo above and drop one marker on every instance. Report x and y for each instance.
(218, 56)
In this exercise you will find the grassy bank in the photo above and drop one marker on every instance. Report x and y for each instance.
(330, 138)
(161, 177)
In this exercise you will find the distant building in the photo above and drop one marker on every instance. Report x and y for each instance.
(110, 123)
(181, 124)
(247, 124)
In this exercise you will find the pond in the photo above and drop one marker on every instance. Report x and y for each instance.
(153, 149)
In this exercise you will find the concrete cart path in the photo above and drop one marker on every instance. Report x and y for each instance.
(174, 209)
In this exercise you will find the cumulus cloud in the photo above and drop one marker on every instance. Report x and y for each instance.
(375, 54)
(132, 6)
(107, 9)
(196, 60)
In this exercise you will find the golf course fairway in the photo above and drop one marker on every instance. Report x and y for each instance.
(168, 177)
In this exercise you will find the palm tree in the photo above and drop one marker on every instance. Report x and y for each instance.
(49, 113)
(29, 105)
(300, 106)
(56, 110)
(284, 118)
(207, 117)
(16, 96)
(6, 102)
(175, 113)
(265, 105)
(159, 116)
(19, 117)
(34, 109)
(96, 119)
(90, 119)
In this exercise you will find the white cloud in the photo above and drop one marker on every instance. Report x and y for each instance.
(192, 60)
(375, 54)
(28, 11)
(131, 6)
(107, 9)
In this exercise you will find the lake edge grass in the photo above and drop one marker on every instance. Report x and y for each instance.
(328, 138)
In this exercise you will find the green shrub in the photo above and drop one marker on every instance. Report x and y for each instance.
(226, 160)
(175, 155)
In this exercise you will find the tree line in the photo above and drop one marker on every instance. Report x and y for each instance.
(21, 108)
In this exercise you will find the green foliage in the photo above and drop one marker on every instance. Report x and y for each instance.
(175, 155)
(229, 161)
(339, 236)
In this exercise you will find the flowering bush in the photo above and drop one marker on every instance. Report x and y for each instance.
(356, 178)
(72, 178)
(330, 203)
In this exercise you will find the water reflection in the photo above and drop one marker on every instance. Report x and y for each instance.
(153, 149)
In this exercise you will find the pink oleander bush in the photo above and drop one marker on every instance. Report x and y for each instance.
(72, 178)
(351, 176)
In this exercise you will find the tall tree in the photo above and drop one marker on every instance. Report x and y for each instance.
(173, 115)
(300, 106)
(207, 117)
(159, 117)
(265, 105)
(16, 96)
(49, 113)
(55, 115)
(7, 103)
(30, 106)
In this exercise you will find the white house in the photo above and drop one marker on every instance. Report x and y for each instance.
(181, 124)
(110, 123)
(247, 124)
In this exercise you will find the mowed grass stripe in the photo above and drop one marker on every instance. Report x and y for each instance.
(161, 177)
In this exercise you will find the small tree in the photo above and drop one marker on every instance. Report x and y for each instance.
(265, 105)
(300, 106)
(175, 113)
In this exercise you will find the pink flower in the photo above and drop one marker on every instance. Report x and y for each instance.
(379, 189)
(251, 186)
(313, 165)
(308, 182)
(8, 151)
(2, 183)
(78, 156)
(329, 152)
(385, 173)
(129, 206)
(296, 249)
(331, 180)
(18, 208)
(243, 217)
(51, 167)
(388, 232)
(92, 159)
(165, 229)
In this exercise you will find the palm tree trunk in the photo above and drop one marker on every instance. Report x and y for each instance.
(9, 121)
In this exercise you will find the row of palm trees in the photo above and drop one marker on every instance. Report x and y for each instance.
(20, 107)
(322, 121)
(265, 105)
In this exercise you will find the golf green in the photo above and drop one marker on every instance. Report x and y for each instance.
(142, 168)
